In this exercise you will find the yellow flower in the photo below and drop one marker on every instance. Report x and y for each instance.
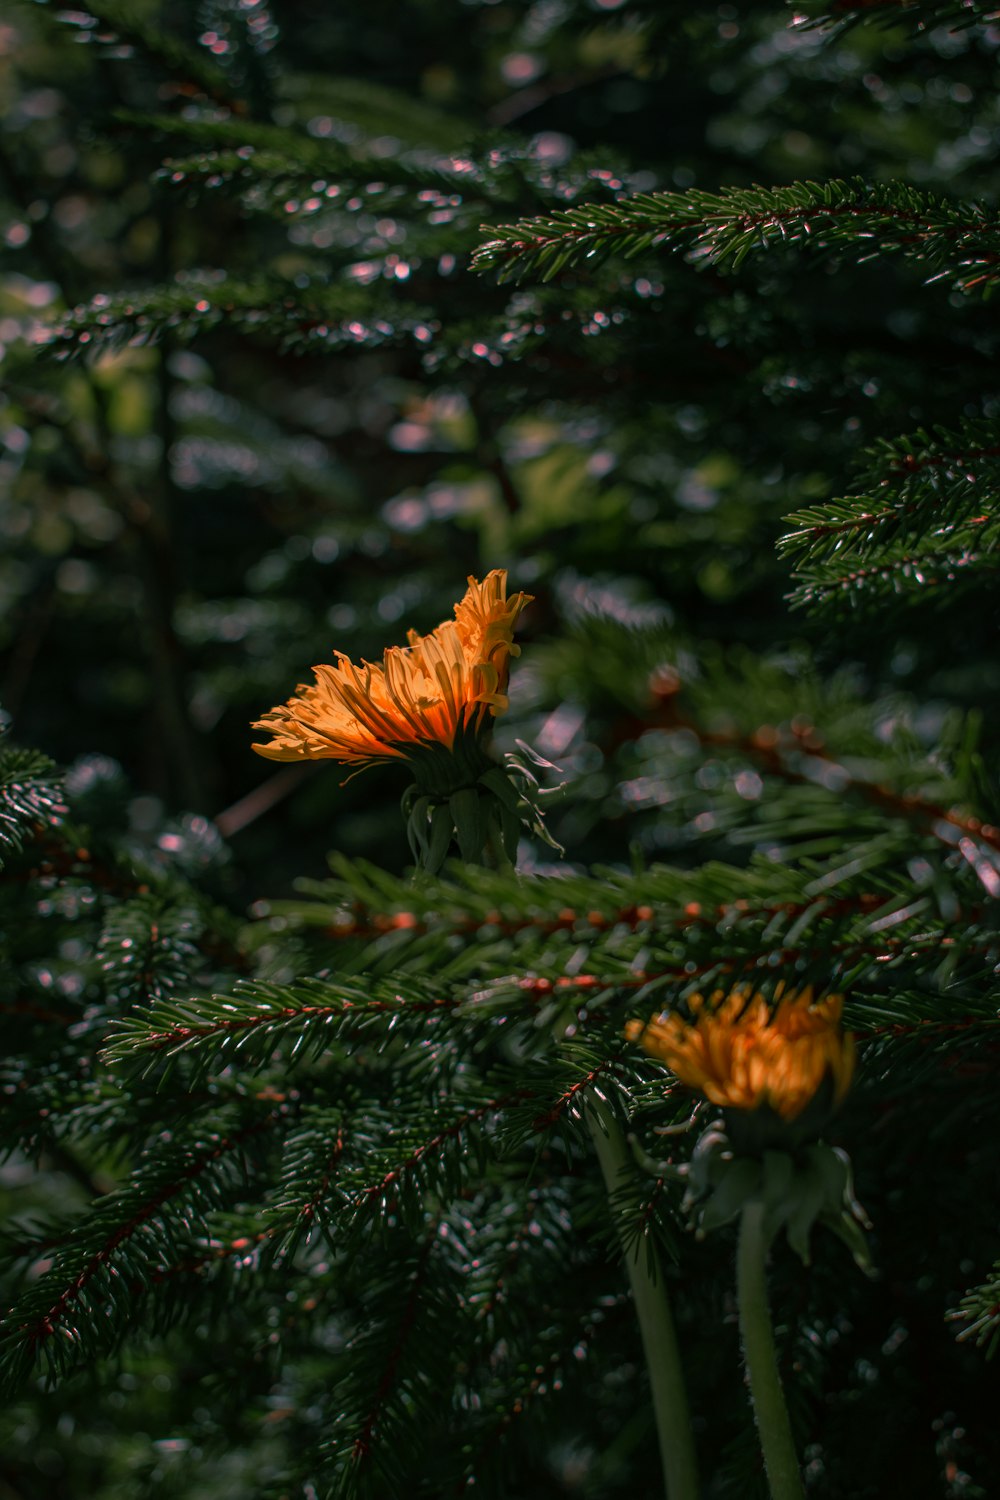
(742, 1053)
(426, 693)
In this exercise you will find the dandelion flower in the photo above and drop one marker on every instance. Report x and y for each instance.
(435, 691)
(744, 1054)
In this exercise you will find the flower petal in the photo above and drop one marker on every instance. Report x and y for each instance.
(422, 694)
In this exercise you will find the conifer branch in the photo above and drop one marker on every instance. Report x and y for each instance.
(194, 71)
(64, 859)
(31, 799)
(530, 1392)
(244, 151)
(863, 958)
(311, 1207)
(979, 1312)
(251, 1021)
(954, 241)
(855, 930)
(514, 1249)
(919, 15)
(853, 525)
(928, 1028)
(479, 902)
(143, 897)
(323, 318)
(660, 902)
(927, 522)
(571, 1098)
(799, 755)
(970, 452)
(70, 1300)
(313, 1158)
(147, 945)
(427, 1154)
(362, 1446)
(901, 572)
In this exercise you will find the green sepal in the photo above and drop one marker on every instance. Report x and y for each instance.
(508, 808)
(808, 1207)
(778, 1175)
(848, 1231)
(712, 1152)
(665, 1169)
(524, 799)
(835, 1167)
(534, 757)
(469, 824)
(442, 828)
(841, 1211)
(504, 791)
(510, 830)
(740, 1181)
(797, 1188)
(417, 827)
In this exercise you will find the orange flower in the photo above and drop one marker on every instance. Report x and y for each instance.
(425, 693)
(742, 1053)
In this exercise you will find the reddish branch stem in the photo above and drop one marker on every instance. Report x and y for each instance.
(510, 1260)
(762, 219)
(771, 749)
(922, 561)
(535, 1387)
(912, 463)
(46, 1325)
(876, 517)
(550, 1116)
(363, 1442)
(568, 918)
(889, 948)
(197, 1263)
(226, 1025)
(308, 1210)
(492, 1106)
(63, 861)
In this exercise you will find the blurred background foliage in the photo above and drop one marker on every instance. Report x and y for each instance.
(256, 407)
(333, 421)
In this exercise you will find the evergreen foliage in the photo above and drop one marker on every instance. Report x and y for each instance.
(300, 1186)
(951, 239)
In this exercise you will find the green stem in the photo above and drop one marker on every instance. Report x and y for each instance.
(775, 1430)
(656, 1325)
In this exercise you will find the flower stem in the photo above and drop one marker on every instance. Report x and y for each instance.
(656, 1325)
(768, 1399)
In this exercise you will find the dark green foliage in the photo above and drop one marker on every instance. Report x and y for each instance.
(979, 1313)
(927, 537)
(183, 312)
(917, 15)
(919, 526)
(955, 242)
(30, 797)
(300, 1198)
(119, 29)
(452, 1084)
(240, 153)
